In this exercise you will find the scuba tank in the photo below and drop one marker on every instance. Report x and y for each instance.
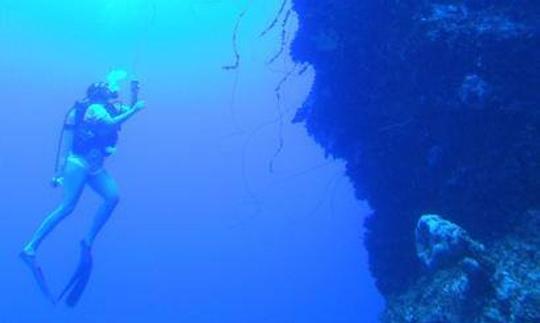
(57, 179)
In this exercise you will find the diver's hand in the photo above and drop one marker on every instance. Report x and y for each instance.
(109, 150)
(139, 105)
(57, 181)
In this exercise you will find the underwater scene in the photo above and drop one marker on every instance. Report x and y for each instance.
(278, 161)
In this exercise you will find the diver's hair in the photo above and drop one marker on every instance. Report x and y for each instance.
(97, 92)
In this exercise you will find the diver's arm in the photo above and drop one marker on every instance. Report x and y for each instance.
(98, 114)
(123, 117)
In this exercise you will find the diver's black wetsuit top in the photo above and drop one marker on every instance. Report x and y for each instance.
(86, 137)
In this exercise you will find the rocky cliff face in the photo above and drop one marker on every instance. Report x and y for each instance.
(434, 106)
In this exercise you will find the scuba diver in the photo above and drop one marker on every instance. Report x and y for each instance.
(89, 135)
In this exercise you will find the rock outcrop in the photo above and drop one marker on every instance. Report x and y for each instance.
(440, 242)
(470, 282)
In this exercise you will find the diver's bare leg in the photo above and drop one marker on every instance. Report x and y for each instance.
(103, 184)
(74, 180)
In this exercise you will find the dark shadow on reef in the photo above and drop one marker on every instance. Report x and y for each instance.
(434, 106)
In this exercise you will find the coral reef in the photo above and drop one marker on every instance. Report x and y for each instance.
(434, 106)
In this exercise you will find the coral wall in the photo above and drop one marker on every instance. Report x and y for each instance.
(434, 106)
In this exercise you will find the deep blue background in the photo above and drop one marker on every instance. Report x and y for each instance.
(204, 232)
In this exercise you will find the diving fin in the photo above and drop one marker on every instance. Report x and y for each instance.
(77, 284)
(37, 272)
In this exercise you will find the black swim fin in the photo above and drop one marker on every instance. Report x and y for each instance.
(37, 273)
(77, 284)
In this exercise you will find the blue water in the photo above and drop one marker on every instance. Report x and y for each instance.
(218, 222)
